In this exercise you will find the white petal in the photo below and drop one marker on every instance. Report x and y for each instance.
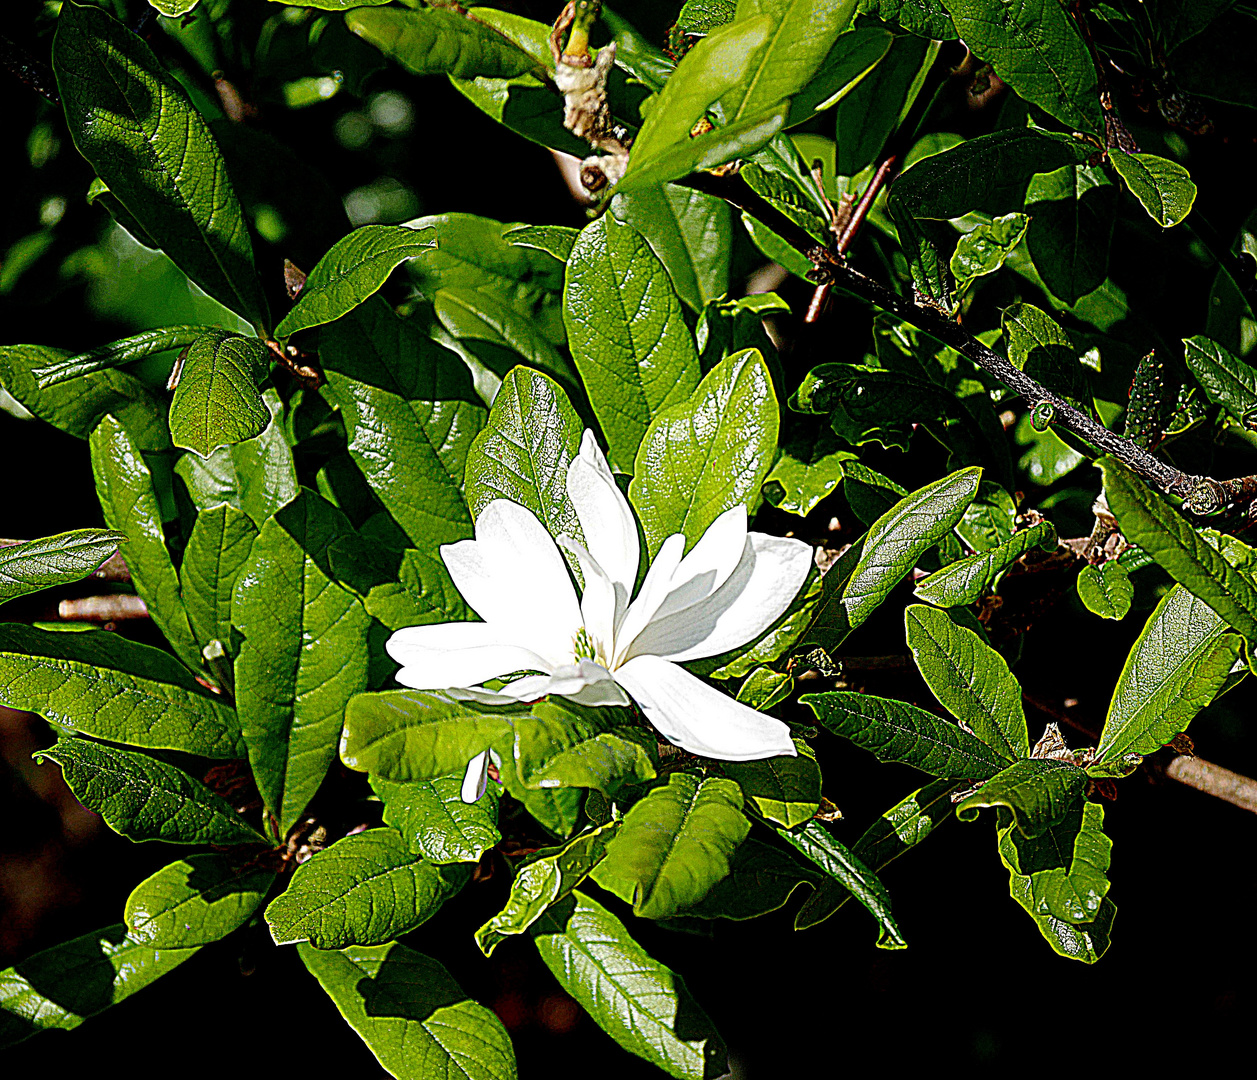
(605, 516)
(654, 592)
(457, 654)
(603, 603)
(709, 563)
(515, 579)
(698, 717)
(767, 579)
(586, 682)
(476, 778)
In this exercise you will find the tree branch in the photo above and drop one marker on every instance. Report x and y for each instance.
(1214, 780)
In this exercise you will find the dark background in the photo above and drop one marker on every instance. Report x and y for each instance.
(978, 987)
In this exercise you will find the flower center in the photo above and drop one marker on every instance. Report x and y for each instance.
(583, 645)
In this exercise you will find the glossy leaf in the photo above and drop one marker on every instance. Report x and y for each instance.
(414, 590)
(983, 250)
(1226, 380)
(218, 547)
(1067, 866)
(642, 1004)
(433, 819)
(105, 686)
(195, 901)
(765, 688)
(817, 844)
(1148, 522)
(674, 845)
(411, 415)
(1176, 667)
(1164, 187)
(440, 41)
(116, 353)
(1038, 50)
(990, 519)
(217, 401)
(353, 270)
(896, 731)
(542, 881)
(1086, 942)
(925, 18)
(965, 581)
(124, 485)
(365, 889)
(705, 455)
(1039, 793)
(783, 790)
(53, 560)
(1106, 590)
(412, 1015)
(145, 798)
(133, 121)
(62, 986)
(762, 878)
(627, 332)
(605, 761)
(303, 657)
(969, 678)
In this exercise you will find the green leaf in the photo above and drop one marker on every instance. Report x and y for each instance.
(892, 547)
(784, 790)
(116, 353)
(124, 485)
(990, 519)
(354, 269)
(1066, 867)
(419, 735)
(416, 589)
(365, 889)
(1176, 667)
(1039, 793)
(846, 869)
(1164, 187)
(1106, 590)
(896, 731)
(765, 688)
(762, 878)
(692, 233)
(897, 831)
(873, 110)
(627, 332)
(1148, 522)
(703, 456)
(218, 547)
(195, 901)
(605, 761)
(700, 17)
(1037, 49)
(105, 686)
(1072, 211)
(546, 878)
(966, 580)
(62, 986)
(303, 657)
(642, 1004)
(1040, 347)
(171, 8)
(1225, 379)
(53, 560)
(413, 1017)
(983, 250)
(1086, 942)
(133, 121)
(411, 414)
(969, 678)
(144, 798)
(440, 41)
(217, 401)
(433, 819)
(925, 18)
(852, 58)
(674, 845)
(256, 476)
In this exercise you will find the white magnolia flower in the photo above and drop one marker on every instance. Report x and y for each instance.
(607, 647)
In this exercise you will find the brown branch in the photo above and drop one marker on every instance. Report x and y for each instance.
(114, 607)
(1214, 780)
(866, 201)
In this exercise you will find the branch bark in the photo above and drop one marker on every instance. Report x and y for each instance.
(1214, 780)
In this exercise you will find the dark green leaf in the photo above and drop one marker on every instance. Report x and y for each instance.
(53, 560)
(605, 761)
(674, 845)
(303, 657)
(62, 986)
(1106, 590)
(851, 59)
(413, 1017)
(117, 353)
(965, 581)
(703, 456)
(1040, 347)
(400, 589)
(144, 798)
(1067, 866)
(870, 113)
(1225, 379)
(990, 519)
(784, 790)
(103, 685)
(217, 401)
(642, 1004)
(1039, 793)
(627, 332)
(365, 889)
(1087, 942)
(896, 731)
(804, 473)
(440, 41)
(925, 18)
(433, 819)
(1072, 211)
(218, 547)
(762, 878)
(1164, 187)
(541, 882)
(983, 250)
(132, 120)
(1176, 667)
(195, 901)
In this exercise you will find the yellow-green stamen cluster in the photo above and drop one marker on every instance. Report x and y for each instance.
(584, 645)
